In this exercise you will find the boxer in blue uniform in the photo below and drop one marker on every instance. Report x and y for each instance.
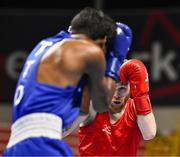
(49, 90)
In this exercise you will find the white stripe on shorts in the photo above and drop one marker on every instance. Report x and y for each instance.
(36, 125)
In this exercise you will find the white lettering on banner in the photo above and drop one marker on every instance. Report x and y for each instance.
(14, 64)
(18, 95)
(159, 63)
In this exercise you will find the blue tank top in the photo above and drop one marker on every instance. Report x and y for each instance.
(32, 96)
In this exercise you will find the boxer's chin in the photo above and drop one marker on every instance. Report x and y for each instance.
(116, 107)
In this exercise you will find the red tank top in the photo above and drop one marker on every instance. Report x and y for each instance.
(101, 138)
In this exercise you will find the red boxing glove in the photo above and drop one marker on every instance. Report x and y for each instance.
(135, 72)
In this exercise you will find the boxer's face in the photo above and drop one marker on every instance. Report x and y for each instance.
(120, 97)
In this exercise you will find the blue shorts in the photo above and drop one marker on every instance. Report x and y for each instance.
(41, 146)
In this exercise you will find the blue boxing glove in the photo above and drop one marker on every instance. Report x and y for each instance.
(118, 50)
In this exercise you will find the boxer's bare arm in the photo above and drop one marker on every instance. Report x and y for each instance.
(100, 89)
(73, 58)
(87, 105)
(90, 116)
(147, 125)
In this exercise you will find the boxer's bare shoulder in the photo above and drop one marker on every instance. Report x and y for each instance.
(68, 59)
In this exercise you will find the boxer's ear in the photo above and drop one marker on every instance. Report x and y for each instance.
(101, 42)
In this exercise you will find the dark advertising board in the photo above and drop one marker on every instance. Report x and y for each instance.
(156, 41)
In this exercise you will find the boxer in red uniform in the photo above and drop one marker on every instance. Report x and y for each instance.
(130, 118)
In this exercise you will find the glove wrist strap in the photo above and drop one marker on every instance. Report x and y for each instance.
(143, 104)
(112, 67)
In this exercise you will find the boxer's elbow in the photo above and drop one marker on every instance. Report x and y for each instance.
(149, 136)
(150, 133)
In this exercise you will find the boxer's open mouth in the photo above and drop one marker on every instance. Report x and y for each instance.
(116, 103)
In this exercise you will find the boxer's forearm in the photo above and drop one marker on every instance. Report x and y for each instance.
(147, 125)
(82, 117)
(91, 116)
(110, 87)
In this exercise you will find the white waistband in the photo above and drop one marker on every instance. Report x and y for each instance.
(36, 125)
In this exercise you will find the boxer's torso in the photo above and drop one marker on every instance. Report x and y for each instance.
(50, 81)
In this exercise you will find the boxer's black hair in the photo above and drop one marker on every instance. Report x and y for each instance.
(93, 23)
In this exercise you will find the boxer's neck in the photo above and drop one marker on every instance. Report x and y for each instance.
(114, 117)
(80, 36)
(100, 42)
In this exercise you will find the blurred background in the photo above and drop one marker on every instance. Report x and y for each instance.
(156, 41)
